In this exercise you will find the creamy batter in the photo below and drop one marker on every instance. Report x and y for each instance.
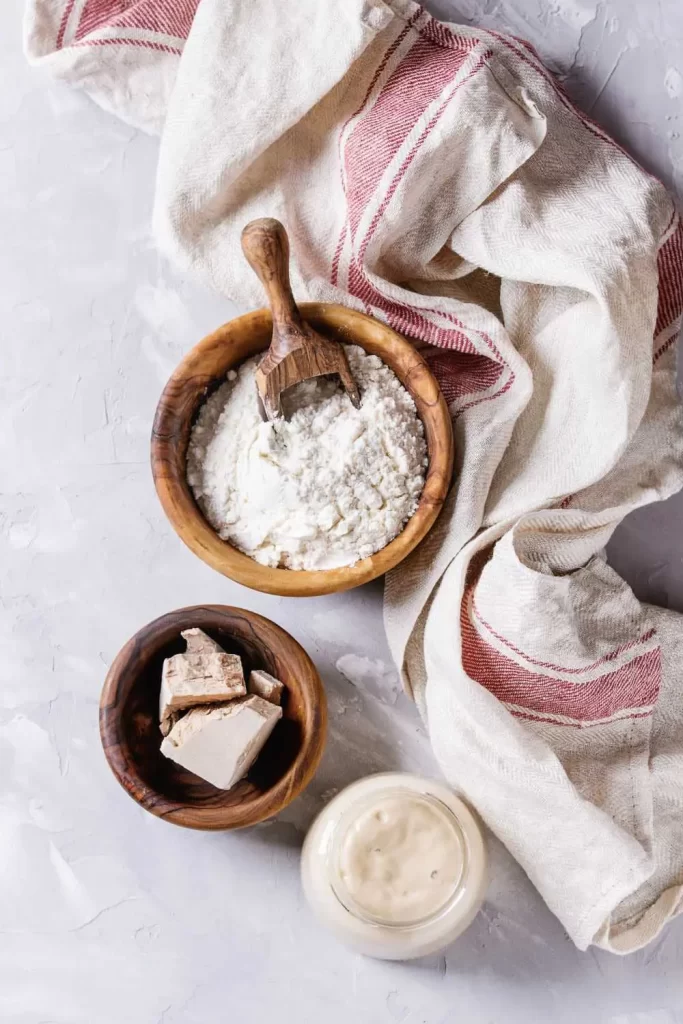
(401, 858)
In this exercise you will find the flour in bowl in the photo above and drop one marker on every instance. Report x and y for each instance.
(324, 487)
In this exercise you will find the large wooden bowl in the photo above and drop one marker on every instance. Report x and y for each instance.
(129, 721)
(205, 367)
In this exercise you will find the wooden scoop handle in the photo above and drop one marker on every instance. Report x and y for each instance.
(297, 352)
(266, 247)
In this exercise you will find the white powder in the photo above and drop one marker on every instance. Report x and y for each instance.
(322, 488)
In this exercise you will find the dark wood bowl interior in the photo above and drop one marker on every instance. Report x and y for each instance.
(129, 721)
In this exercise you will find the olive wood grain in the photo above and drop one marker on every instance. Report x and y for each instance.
(129, 721)
(296, 351)
(204, 368)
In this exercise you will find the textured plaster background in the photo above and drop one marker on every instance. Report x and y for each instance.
(106, 914)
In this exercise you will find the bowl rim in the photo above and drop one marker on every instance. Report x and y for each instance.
(150, 638)
(175, 413)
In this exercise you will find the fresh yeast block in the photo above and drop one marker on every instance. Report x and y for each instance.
(221, 743)
(266, 686)
(203, 674)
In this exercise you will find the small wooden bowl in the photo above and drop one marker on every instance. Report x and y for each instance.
(205, 367)
(129, 721)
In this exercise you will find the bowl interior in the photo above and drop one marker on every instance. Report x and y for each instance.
(129, 717)
(205, 367)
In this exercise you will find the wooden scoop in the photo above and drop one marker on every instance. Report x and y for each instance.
(296, 352)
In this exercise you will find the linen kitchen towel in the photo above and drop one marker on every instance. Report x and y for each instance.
(438, 178)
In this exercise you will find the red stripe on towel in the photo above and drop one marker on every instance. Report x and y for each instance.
(421, 77)
(163, 17)
(632, 687)
(670, 268)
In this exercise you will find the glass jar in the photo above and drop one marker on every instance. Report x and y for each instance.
(395, 865)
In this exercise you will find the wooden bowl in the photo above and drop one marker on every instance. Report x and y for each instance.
(129, 721)
(205, 367)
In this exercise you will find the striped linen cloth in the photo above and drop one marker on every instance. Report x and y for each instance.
(438, 178)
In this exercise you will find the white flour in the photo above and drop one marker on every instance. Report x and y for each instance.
(323, 488)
